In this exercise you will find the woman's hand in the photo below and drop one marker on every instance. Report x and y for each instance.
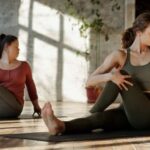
(37, 108)
(121, 80)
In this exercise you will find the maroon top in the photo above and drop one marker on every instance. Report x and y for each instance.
(16, 79)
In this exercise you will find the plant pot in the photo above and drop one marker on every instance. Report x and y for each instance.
(92, 94)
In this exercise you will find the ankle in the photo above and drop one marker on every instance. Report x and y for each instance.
(61, 127)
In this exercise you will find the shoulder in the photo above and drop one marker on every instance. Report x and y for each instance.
(118, 54)
(118, 57)
(122, 53)
(26, 65)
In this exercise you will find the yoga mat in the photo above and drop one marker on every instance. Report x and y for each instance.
(44, 136)
(27, 116)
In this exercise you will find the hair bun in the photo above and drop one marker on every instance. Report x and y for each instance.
(2, 36)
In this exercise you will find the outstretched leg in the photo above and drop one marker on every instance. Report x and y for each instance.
(114, 119)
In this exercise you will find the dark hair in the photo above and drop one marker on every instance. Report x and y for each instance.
(140, 24)
(6, 39)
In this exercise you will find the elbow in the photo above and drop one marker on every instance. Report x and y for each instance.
(88, 83)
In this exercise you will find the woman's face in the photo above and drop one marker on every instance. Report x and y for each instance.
(13, 50)
(145, 36)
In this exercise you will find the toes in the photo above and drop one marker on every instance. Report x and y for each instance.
(44, 106)
(49, 105)
(44, 110)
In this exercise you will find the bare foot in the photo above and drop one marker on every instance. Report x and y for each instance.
(43, 113)
(54, 125)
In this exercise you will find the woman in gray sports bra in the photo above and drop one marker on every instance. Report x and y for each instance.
(131, 81)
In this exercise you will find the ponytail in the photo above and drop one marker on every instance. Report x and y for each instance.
(2, 36)
(128, 37)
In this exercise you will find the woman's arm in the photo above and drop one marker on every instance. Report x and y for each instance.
(32, 90)
(102, 73)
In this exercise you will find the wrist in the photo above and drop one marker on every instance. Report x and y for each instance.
(35, 103)
(110, 76)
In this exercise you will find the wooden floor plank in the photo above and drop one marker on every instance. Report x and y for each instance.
(65, 111)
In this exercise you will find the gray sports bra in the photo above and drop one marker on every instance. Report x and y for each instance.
(141, 74)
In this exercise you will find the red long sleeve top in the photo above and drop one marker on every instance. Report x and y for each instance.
(16, 79)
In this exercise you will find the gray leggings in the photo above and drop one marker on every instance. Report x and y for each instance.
(9, 106)
(134, 115)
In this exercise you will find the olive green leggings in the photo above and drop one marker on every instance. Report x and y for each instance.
(134, 115)
(9, 106)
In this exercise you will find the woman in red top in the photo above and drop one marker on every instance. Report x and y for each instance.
(14, 75)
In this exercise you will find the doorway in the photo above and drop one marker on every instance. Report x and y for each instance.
(141, 6)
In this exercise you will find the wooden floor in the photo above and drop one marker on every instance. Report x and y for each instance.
(66, 111)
